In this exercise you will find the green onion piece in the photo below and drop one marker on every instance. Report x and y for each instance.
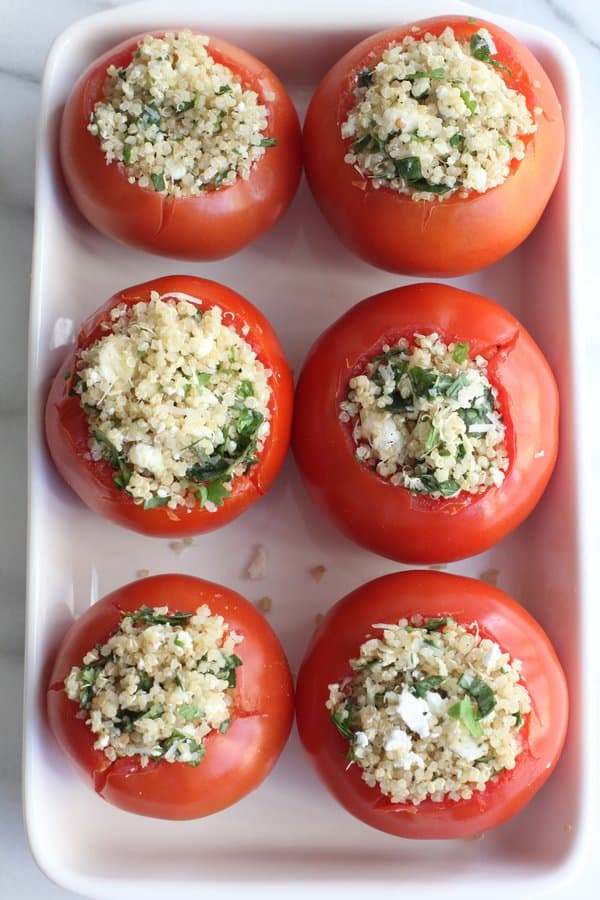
(268, 142)
(432, 439)
(224, 726)
(464, 712)
(158, 180)
(202, 379)
(457, 385)
(229, 665)
(150, 113)
(127, 148)
(154, 712)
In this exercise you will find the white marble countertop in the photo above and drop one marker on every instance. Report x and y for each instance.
(27, 28)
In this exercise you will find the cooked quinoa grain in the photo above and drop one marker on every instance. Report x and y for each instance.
(431, 710)
(177, 402)
(159, 685)
(435, 116)
(426, 417)
(179, 121)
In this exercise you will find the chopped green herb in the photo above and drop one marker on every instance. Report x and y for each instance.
(224, 726)
(481, 50)
(145, 682)
(480, 691)
(342, 721)
(473, 416)
(154, 712)
(219, 123)
(229, 665)
(432, 439)
(485, 759)
(518, 719)
(422, 380)
(145, 615)
(122, 73)
(189, 711)
(435, 624)
(113, 458)
(150, 114)
(158, 180)
(268, 142)
(448, 488)
(202, 379)
(460, 352)
(184, 106)
(221, 176)
(434, 74)
(213, 492)
(469, 101)
(197, 749)
(464, 712)
(365, 78)
(472, 21)
(155, 502)
(458, 141)
(362, 143)
(506, 142)
(457, 385)
(421, 688)
(248, 421)
(224, 89)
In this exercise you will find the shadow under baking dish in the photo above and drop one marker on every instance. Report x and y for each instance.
(290, 834)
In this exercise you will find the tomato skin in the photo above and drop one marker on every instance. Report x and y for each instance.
(67, 429)
(432, 594)
(440, 239)
(235, 762)
(390, 520)
(211, 226)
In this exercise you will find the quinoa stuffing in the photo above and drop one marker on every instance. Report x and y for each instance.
(431, 710)
(426, 418)
(177, 402)
(159, 685)
(180, 122)
(434, 116)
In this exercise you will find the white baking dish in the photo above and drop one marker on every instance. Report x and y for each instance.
(290, 835)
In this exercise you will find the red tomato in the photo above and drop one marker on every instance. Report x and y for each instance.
(454, 236)
(236, 762)
(391, 520)
(67, 427)
(432, 594)
(210, 226)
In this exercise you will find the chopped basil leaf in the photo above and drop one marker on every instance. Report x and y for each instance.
(481, 50)
(435, 624)
(268, 142)
(190, 711)
(448, 488)
(246, 389)
(213, 492)
(472, 416)
(248, 421)
(480, 691)
(147, 616)
(421, 688)
(113, 458)
(221, 176)
(342, 720)
(461, 452)
(464, 712)
(361, 144)
(229, 665)
(184, 106)
(460, 352)
(422, 380)
(158, 180)
(409, 168)
(457, 141)
(365, 78)
(155, 502)
(145, 682)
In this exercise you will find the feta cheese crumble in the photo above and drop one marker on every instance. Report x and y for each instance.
(434, 116)
(431, 710)
(426, 418)
(159, 685)
(177, 401)
(180, 122)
